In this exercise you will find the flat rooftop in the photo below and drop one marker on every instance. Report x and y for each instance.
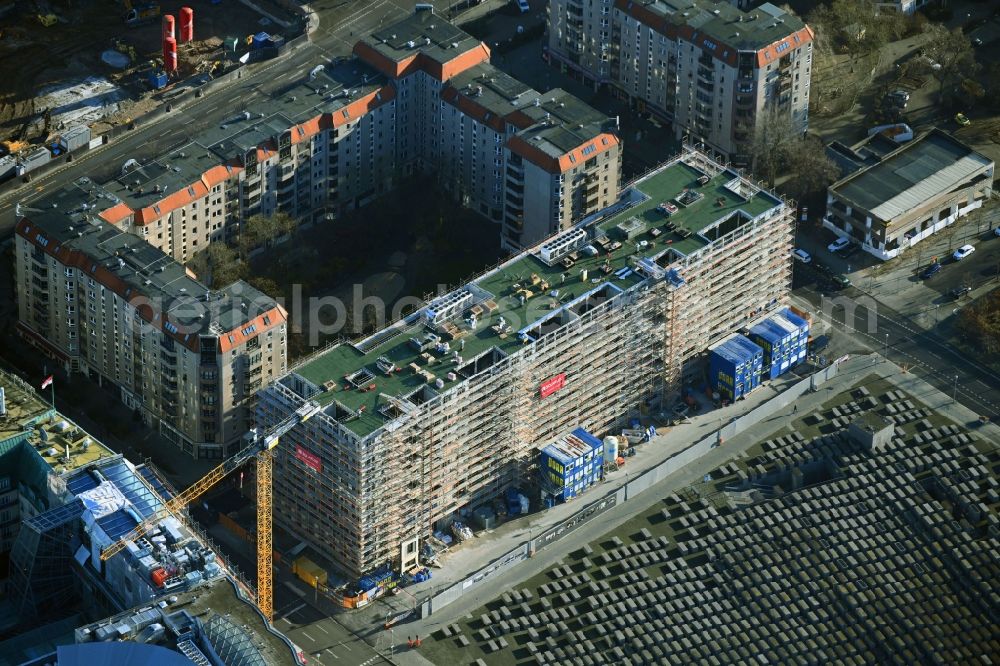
(65, 446)
(231, 623)
(23, 405)
(421, 32)
(720, 20)
(562, 122)
(494, 90)
(145, 185)
(68, 217)
(714, 210)
(325, 89)
(916, 172)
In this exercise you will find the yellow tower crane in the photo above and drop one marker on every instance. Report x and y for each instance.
(260, 449)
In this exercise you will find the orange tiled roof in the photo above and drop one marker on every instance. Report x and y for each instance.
(563, 163)
(441, 71)
(362, 105)
(116, 213)
(769, 53)
(231, 339)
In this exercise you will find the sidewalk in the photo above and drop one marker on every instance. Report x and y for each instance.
(472, 556)
(852, 372)
(895, 282)
(486, 547)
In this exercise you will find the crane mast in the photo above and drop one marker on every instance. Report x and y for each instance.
(261, 449)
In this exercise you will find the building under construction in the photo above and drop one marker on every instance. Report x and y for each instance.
(445, 410)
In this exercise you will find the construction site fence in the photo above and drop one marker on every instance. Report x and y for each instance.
(630, 489)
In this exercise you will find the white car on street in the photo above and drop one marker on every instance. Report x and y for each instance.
(801, 255)
(838, 244)
(963, 252)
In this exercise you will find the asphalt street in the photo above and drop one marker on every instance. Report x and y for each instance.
(907, 344)
(341, 24)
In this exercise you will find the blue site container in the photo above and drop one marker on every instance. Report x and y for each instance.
(784, 337)
(157, 80)
(260, 40)
(572, 464)
(735, 367)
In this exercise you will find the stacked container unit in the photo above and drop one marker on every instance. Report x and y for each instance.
(572, 464)
(74, 138)
(32, 159)
(784, 337)
(735, 367)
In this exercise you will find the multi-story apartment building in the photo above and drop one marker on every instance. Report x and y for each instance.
(486, 134)
(419, 96)
(413, 99)
(178, 205)
(708, 67)
(106, 304)
(445, 410)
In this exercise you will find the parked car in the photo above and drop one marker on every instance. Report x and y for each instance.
(801, 255)
(838, 244)
(931, 271)
(962, 120)
(849, 251)
(901, 95)
(840, 281)
(996, 232)
(522, 6)
(963, 252)
(959, 291)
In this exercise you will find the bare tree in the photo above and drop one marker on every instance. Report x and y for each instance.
(955, 60)
(772, 133)
(810, 170)
(261, 230)
(218, 265)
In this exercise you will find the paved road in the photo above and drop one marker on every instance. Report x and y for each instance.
(322, 639)
(342, 22)
(905, 343)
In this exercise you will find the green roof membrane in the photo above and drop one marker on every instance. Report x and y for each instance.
(526, 291)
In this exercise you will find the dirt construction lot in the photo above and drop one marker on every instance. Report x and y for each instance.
(35, 59)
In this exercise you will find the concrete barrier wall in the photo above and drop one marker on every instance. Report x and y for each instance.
(631, 489)
(445, 597)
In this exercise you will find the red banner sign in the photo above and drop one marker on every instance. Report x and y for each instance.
(552, 384)
(310, 459)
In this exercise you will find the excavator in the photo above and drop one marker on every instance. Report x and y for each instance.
(260, 449)
(140, 14)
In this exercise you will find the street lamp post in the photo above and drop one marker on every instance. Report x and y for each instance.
(954, 393)
(885, 348)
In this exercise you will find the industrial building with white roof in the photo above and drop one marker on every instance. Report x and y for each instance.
(914, 191)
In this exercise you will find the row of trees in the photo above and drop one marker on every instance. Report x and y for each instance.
(857, 26)
(979, 323)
